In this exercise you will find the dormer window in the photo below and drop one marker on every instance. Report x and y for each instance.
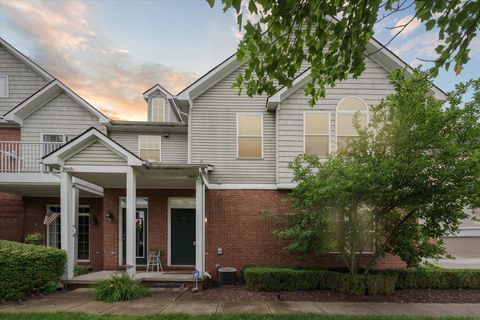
(3, 86)
(158, 109)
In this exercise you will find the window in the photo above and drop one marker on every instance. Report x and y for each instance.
(3, 86)
(150, 147)
(365, 238)
(53, 229)
(158, 109)
(54, 237)
(347, 108)
(54, 141)
(83, 234)
(316, 130)
(249, 135)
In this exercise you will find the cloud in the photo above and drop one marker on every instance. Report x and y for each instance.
(73, 49)
(412, 26)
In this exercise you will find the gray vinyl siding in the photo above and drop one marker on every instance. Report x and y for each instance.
(170, 114)
(23, 81)
(371, 86)
(61, 115)
(174, 149)
(214, 139)
(96, 154)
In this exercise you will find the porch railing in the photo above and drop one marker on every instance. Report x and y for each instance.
(16, 156)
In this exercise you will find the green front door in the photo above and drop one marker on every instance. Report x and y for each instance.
(140, 236)
(182, 237)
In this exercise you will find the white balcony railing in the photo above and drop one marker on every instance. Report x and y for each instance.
(16, 156)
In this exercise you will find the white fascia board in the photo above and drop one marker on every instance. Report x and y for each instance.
(89, 137)
(285, 92)
(252, 186)
(387, 59)
(159, 88)
(44, 74)
(209, 79)
(46, 94)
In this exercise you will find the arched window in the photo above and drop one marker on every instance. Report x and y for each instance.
(346, 110)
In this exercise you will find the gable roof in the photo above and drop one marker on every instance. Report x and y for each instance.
(89, 137)
(212, 76)
(159, 89)
(380, 54)
(44, 95)
(42, 72)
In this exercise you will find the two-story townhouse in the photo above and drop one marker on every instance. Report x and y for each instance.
(190, 181)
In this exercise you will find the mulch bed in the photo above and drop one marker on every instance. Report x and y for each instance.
(240, 293)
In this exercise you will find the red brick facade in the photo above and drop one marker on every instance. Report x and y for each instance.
(233, 224)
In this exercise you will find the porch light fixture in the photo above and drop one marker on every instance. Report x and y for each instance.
(109, 216)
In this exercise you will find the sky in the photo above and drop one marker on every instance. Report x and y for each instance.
(110, 52)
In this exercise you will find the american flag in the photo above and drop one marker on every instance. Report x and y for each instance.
(50, 217)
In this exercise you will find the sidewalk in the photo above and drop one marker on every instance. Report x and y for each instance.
(166, 302)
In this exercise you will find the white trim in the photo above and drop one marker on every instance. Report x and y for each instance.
(7, 90)
(164, 116)
(367, 112)
(52, 89)
(249, 136)
(87, 138)
(329, 134)
(89, 233)
(183, 203)
(189, 134)
(121, 206)
(44, 74)
(210, 78)
(159, 146)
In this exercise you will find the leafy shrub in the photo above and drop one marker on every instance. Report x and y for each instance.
(119, 288)
(286, 279)
(435, 278)
(34, 238)
(79, 270)
(24, 267)
(50, 287)
(283, 279)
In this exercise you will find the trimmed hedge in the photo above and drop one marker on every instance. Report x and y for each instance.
(435, 278)
(286, 279)
(283, 279)
(25, 267)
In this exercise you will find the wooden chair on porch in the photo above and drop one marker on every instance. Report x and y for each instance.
(154, 260)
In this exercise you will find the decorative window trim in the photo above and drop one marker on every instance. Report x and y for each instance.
(337, 112)
(249, 136)
(89, 230)
(320, 135)
(159, 146)
(164, 108)
(7, 86)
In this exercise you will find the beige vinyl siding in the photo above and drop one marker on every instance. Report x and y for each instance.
(371, 86)
(61, 115)
(23, 81)
(96, 154)
(214, 134)
(174, 148)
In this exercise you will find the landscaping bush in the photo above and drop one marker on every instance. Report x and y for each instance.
(80, 270)
(25, 267)
(286, 279)
(283, 279)
(435, 278)
(119, 288)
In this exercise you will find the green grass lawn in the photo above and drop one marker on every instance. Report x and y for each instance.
(229, 316)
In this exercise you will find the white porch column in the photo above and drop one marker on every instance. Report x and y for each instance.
(199, 227)
(130, 222)
(75, 201)
(67, 221)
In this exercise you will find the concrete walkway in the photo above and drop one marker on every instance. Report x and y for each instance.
(167, 302)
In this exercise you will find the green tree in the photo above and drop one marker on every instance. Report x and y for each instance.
(289, 33)
(415, 168)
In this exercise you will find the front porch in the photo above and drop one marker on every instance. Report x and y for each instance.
(146, 207)
(174, 278)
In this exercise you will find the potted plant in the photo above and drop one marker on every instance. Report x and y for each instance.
(34, 238)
